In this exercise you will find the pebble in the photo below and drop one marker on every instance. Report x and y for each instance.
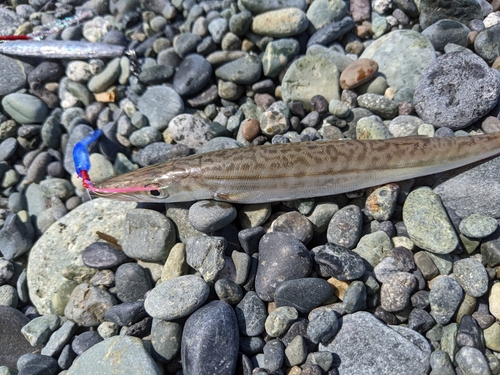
(420, 320)
(446, 31)
(365, 342)
(228, 291)
(87, 304)
(280, 23)
(192, 75)
(386, 268)
(85, 341)
(16, 79)
(379, 105)
(105, 79)
(323, 325)
(472, 361)
(38, 330)
(279, 320)
(118, 353)
(177, 297)
(59, 338)
(427, 222)
(209, 216)
(371, 127)
(293, 261)
(373, 248)
(126, 313)
(190, 131)
(441, 364)
(337, 261)
(396, 291)
(295, 224)
(33, 363)
(309, 76)
(8, 148)
(132, 282)
(202, 341)
(185, 44)
(302, 294)
(335, 30)
(277, 54)
(355, 297)
(166, 340)
(445, 298)
(251, 315)
(296, 352)
(242, 71)
(472, 276)
(206, 255)
(478, 226)
(25, 108)
(15, 237)
(405, 126)
(486, 42)
(438, 106)
(357, 73)
(345, 227)
(463, 12)
(426, 265)
(160, 104)
(101, 255)
(322, 13)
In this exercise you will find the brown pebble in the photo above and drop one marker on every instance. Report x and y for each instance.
(496, 5)
(405, 109)
(496, 63)
(357, 73)
(264, 100)
(471, 37)
(250, 129)
(360, 10)
(319, 103)
(490, 125)
(361, 31)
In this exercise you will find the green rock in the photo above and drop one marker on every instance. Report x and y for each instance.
(340, 60)
(449, 339)
(116, 355)
(371, 128)
(38, 330)
(338, 108)
(324, 12)
(427, 222)
(478, 226)
(492, 337)
(310, 76)
(374, 247)
(379, 105)
(402, 66)
(243, 71)
(277, 55)
(106, 78)
(24, 108)
(377, 85)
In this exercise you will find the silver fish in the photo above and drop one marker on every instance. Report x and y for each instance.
(60, 49)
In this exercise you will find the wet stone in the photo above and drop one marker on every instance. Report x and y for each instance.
(101, 255)
(302, 294)
(345, 227)
(176, 298)
(339, 262)
(293, 261)
(132, 282)
(445, 298)
(210, 340)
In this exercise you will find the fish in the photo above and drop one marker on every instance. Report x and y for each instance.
(282, 172)
(60, 49)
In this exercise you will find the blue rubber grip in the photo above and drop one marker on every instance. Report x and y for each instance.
(81, 153)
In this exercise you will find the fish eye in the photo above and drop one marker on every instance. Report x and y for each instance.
(157, 191)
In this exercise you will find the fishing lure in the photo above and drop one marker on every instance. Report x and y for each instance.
(81, 157)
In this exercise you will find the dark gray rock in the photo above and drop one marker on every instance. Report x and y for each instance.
(249, 239)
(420, 320)
(445, 297)
(345, 227)
(192, 75)
(251, 315)
(420, 300)
(446, 31)
(487, 43)
(471, 361)
(37, 364)
(338, 261)
(302, 294)
(251, 345)
(84, 341)
(323, 325)
(15, 237)
(355, 297)
(66, 357)
(243, 71)
(7, 148)
(132, 282)
(329, 33)
(125, 314)
(470, 334)
(12, 342)
(441, 363)
(456, 90)
(228, 291)
(101, 255)
(281, 257)
(366, 345)
(462, 11)
(210, 341)
(166, 340)
(177, 297)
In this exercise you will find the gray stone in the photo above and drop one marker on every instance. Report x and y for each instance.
(371, 127)
(16, 79)
(487, 43)
(120, 354)
(209, 216)
(15, 236)
(456, 90)
(446, 31)
(441, 363)
(373, 248)
(206, 255)
(471, 361)
(337, 261)
(303, 294)
(61, 246)
(189, 130)
(478, 226)
(340, 60)
(472, 276)
(160, 104)
(345, 227)
(60, 338)
(281, 257)
(445, 298)
(166, 339)
(251, 315)
(309, 76)
(355, 297)
(405, 126)
(102, 81)
(25, 108)
(396, 291)
(176, 298)
(277, 55)
(329, 33)
(217, 28)
(323, 12)
(259, 6)
(427, 222)
(402, 66)
(243, 71)
(366, 345)
(132, 282)
(210, 340)
(192, 75)
(323, 325)
(228, 291)
(379, 105)
(148, 235)
(462, 11)
(279, 320)
(38, 330)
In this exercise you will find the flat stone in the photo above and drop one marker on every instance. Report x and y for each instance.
(366, 345)
(402, 66)
(323, 12)
(25, 108)
(176, 298)
(206, 255)
(121, 354)
(445, 298)
(309, 76)
(303, 294)
(101, 255)
(245, 70)
(210, 340)
(258, 6)
(446, 31)
(209, 216)
(357, 73)
(475, 90)
(189, 130)
(427, 222)
(478, 226)
(251, 315)
(160, 104)
(335, 30)
(38, 330)
(462, 11)
(280, 23)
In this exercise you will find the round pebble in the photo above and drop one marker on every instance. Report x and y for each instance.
(445, 297)
(132, 282)
(209, 216)
(192, 75)
(357, 73)
(472, 276)
(345, 227)
(396, 291)
(478, 226)
(101, 255)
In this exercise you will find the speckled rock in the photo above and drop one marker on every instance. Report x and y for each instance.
(478, 226)
(337, 261)
(445, 297)
(472, 276)
(189, 130)
(345, 227)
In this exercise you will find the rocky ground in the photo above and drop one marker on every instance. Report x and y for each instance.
(398, 279)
